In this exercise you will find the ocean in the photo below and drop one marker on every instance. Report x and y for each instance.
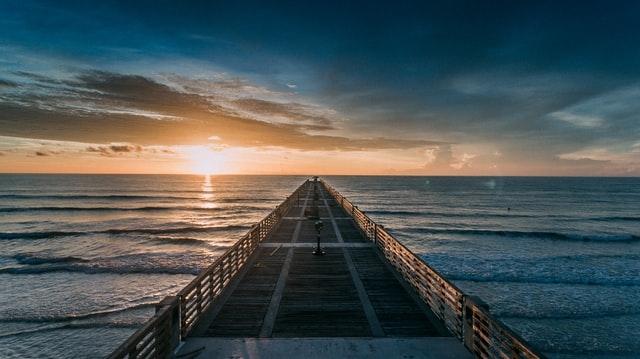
(84, 257)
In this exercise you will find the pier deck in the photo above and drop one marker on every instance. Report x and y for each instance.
(287, 292)
(368, 296)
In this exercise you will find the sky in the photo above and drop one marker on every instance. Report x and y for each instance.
(380, 88)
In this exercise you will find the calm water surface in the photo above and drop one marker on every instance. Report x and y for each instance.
(83, 258)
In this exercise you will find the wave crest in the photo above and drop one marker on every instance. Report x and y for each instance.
(117, 231)
(531, 234)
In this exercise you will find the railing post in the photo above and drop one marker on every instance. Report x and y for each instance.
(172, 302)
(469, 303)
(375, 233)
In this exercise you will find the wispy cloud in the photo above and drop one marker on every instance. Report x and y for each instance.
(578, 120)
(130, 108)
(618, 159)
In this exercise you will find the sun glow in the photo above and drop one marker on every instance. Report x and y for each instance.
(205, 161)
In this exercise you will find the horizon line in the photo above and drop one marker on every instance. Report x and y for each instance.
(303, 175)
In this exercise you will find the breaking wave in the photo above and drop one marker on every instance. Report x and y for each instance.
(143, 263)
(35, 260)
(531, 234)
(115, 231)
(107, 197)
(123, 209)
(71, 317)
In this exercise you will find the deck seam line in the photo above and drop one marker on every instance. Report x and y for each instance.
(303, 218)
(312, 245)
(274, 305)
(370, 313)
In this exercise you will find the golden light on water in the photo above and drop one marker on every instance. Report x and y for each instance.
(207, 192)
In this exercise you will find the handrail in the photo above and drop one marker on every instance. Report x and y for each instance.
(176, 316)
(465, 316)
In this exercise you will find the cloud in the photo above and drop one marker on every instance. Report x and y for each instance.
(595, 154)
(463, 161)
(443, 158)
(299, 115)
(115, 149)
(103, 107)
(617, 109)
(578, 120)
(45, 153)
(619, 159)
(439, 156)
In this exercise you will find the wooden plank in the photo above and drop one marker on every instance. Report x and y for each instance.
(274, 305)
(320, 298)
(376, 328)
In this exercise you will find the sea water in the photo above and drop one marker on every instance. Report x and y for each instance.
(83, 258)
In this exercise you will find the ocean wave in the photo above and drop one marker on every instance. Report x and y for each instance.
(501, 215)
(607, 270)
(97, 269)
(52, 327)
(140, 263)
(609, 313)
(35, 260)
(452, 214)
(530, 234)
(188, 229)
(155, 231)
(179, 240)
(39, 235)
(129, 197)
(616, 218)
(124, 209)
(113, 197)
(583, 280)
(72, 317)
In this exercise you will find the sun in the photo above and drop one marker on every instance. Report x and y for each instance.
(203, 160)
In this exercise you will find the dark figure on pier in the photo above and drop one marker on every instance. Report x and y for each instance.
(318, 251)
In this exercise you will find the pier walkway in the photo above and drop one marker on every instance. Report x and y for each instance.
(271, 297)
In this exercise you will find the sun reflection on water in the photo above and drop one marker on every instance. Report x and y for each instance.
(207, 193)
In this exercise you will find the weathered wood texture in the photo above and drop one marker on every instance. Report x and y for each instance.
(319, 298)
(351, 291)
(243, 313)
(468, 319)
(397, 312)
(157, 335)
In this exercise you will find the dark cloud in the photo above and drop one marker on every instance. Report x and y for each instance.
(125, 148)
(115, 149)
(45, 153)
(100, 118)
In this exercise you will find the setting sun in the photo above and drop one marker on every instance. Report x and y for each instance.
(204, 160)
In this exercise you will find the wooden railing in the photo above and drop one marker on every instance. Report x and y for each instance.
(467, 317)
(176, 316)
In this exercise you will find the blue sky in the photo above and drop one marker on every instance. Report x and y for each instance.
(451, 87)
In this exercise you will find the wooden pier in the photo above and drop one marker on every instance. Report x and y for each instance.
(269, 296)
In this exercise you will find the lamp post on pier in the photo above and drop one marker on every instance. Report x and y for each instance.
(318, 251)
